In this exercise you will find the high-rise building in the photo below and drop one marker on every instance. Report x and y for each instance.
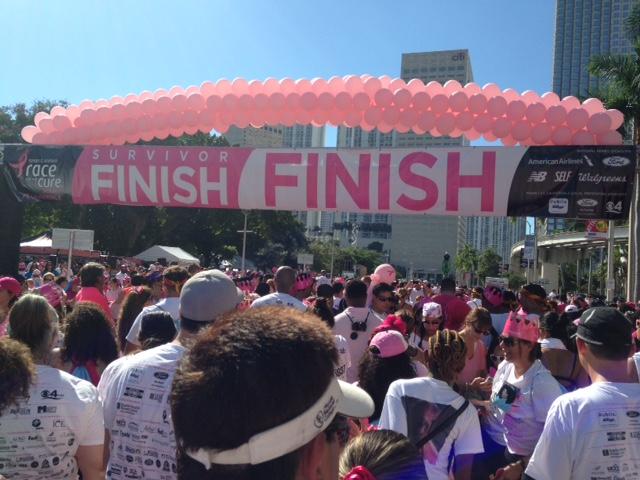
(585, 28)
(263, 137)
(498, 233)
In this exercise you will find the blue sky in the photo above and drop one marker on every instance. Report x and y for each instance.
(74, 50)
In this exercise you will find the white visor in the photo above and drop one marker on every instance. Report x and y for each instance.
(339, 397)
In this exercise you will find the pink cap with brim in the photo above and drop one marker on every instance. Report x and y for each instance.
(11, 285)
(523, 326)
(389, 343)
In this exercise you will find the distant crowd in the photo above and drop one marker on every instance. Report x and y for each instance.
(169, 372)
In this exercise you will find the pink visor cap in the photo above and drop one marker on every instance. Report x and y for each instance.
(388, 344)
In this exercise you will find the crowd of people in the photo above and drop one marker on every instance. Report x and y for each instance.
(168, 372)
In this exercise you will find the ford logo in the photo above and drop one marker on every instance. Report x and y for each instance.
(587, 202)
(161, 375)
(633, 414)
(616, 161)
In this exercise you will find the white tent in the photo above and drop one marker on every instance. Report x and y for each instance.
(170, 254)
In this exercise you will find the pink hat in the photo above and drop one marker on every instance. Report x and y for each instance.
(388, 344)
(384, 273)
(523, 326)
(11, 285)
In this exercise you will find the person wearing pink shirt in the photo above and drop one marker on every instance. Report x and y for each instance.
(92, 287)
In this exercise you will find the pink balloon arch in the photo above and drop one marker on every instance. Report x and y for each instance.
(368, 102)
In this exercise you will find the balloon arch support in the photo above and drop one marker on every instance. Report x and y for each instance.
(363, 101)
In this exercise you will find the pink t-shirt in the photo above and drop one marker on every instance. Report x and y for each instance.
(93, 295)
(474, 365)
(454, 310)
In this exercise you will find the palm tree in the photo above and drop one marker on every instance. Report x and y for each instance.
(467, 261)
(623, 93)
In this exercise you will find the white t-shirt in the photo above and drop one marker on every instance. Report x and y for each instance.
(591, 433)
(40, 435)
(475, 303)
(280, 300)
(415, 341)
(171, 305)
(519, 406)
(344, 357)
(412, 407)
(358, 345)
(135, 395)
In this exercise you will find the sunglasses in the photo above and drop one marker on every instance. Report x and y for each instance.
(508, 341)
(481, 332)
(385, 299)
(339, 427)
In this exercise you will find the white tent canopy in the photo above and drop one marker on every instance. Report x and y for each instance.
(171, 254)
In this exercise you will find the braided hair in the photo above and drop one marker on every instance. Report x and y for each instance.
(446, 355)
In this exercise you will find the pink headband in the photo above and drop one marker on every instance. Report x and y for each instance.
(359, 473)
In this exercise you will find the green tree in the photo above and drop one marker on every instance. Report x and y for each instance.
(623, 93)
(489, 264)
(515, 280)
(467, 261)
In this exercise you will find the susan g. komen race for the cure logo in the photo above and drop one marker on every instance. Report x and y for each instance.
(40, 174)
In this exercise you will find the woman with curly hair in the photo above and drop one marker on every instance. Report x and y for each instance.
(381, 455)
(134, 302)
(17, 372)
(89, 345)
(432, 415)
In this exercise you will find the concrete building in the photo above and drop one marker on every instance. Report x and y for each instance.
(498, 233)
(264, 137)
(585, 28)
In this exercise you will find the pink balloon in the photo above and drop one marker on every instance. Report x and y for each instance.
(446, 123)
(384, 98)
(29, 132)
(497, 106)
(39, 117)
(353, 84)
(483, 123)
(593, 106)
(402, 98)
(610, 138)
(39, 138)
(418, 130)
(58, 110)
(326, 101)
(270, 86)
(577, 118)
(561, 136)
(321, 117)
(397, 83)
(365, 126)
(617, 118)
(516, 110)
(303, 85)
(569, 103)
(472, 135)
(536, 112)
(508, 141)
(401, 128)
(336, 85)
(458, 101)
(452, 86)
(582, 138)
(277, 101)
(408, 117)
(510, 95)
(477, 103)
(520, 130)
(434, 132)
(319, 85)
(373, 115)
(361, 101)
(372, 85)
(84, 105)
(491, 90)
(287, 86)
(352, 118)
(415, 85)
(390, 115)
(421, 100)
(61, 122)
(541, 134)
(439, 103)
(465, 121)
(145, 95)
(426, 121)
(472, 89)
(292, 101)
(501, 127)
(195, 101)
(434, 88)
(308, 101)
(549, 99)
(490, 137)
(385, 128)
(599, 123)
(455, 133)
(529, 97)
(254, 88)
(344, 101)
(261, 101)
(556, 115)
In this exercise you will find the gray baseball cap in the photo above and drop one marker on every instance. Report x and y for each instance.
(207, 295)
